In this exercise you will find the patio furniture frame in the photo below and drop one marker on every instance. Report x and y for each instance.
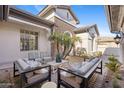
(85, 78)
(23, 78)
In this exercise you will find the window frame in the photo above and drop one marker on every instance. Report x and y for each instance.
(26, 37)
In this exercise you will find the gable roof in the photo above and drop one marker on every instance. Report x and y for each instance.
(85, 29)
(49, 7)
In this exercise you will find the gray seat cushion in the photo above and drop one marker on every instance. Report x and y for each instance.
(37, 77)
(94, 60)
(86, 67)
(33, 64)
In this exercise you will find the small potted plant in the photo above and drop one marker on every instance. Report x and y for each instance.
(58, 58)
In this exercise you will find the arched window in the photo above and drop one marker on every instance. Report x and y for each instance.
(68, 33)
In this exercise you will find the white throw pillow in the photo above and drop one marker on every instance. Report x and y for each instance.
(23, 64)
(39, 59)
(33, 64)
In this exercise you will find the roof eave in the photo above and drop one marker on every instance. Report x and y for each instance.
(112, 13)
(17, 12)
(85, 29)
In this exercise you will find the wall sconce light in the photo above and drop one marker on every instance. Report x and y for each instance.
(117, 39)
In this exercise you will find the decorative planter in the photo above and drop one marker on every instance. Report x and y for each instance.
(58, 58)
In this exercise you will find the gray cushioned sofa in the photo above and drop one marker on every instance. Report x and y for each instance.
(31, 72)
(79, 77)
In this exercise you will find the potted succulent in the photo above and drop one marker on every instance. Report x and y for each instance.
(114, 67)
(58, 58)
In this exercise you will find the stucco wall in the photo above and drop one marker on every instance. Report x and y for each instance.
(10, 41)
(111, 51)
(84, 39)
(88, 42)
(121, 53)
(103, 45)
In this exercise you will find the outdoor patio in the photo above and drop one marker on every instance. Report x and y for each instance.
(97, 81)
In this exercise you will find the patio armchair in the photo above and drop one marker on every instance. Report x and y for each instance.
(71, 79)
(30, 76)
(35, 56)
(46, 56)
(40, 56)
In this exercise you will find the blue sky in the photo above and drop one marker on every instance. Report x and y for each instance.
(87, 15)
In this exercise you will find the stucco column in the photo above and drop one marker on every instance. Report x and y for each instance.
(94, 44)
(53, 44)
(121, 58)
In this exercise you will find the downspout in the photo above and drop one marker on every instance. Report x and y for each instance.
(4, 11)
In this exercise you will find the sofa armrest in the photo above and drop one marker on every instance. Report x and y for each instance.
(70, 72)
(37, 68)
(23, 77)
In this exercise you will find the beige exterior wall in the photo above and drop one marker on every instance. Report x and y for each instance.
(10, 41)
(87, 42)
(84, 41)
(103, 45)
(110, 48)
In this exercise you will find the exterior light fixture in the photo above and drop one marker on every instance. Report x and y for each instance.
(117, 39)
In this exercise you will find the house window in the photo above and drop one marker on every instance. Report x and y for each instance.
(68, 33)
(28, 40)
(68, 17)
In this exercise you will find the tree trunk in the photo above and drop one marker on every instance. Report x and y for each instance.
(74, 51)
(57, 47)
(64, 51)
(68, 52)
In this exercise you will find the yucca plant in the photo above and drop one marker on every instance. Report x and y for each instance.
(114, 66)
